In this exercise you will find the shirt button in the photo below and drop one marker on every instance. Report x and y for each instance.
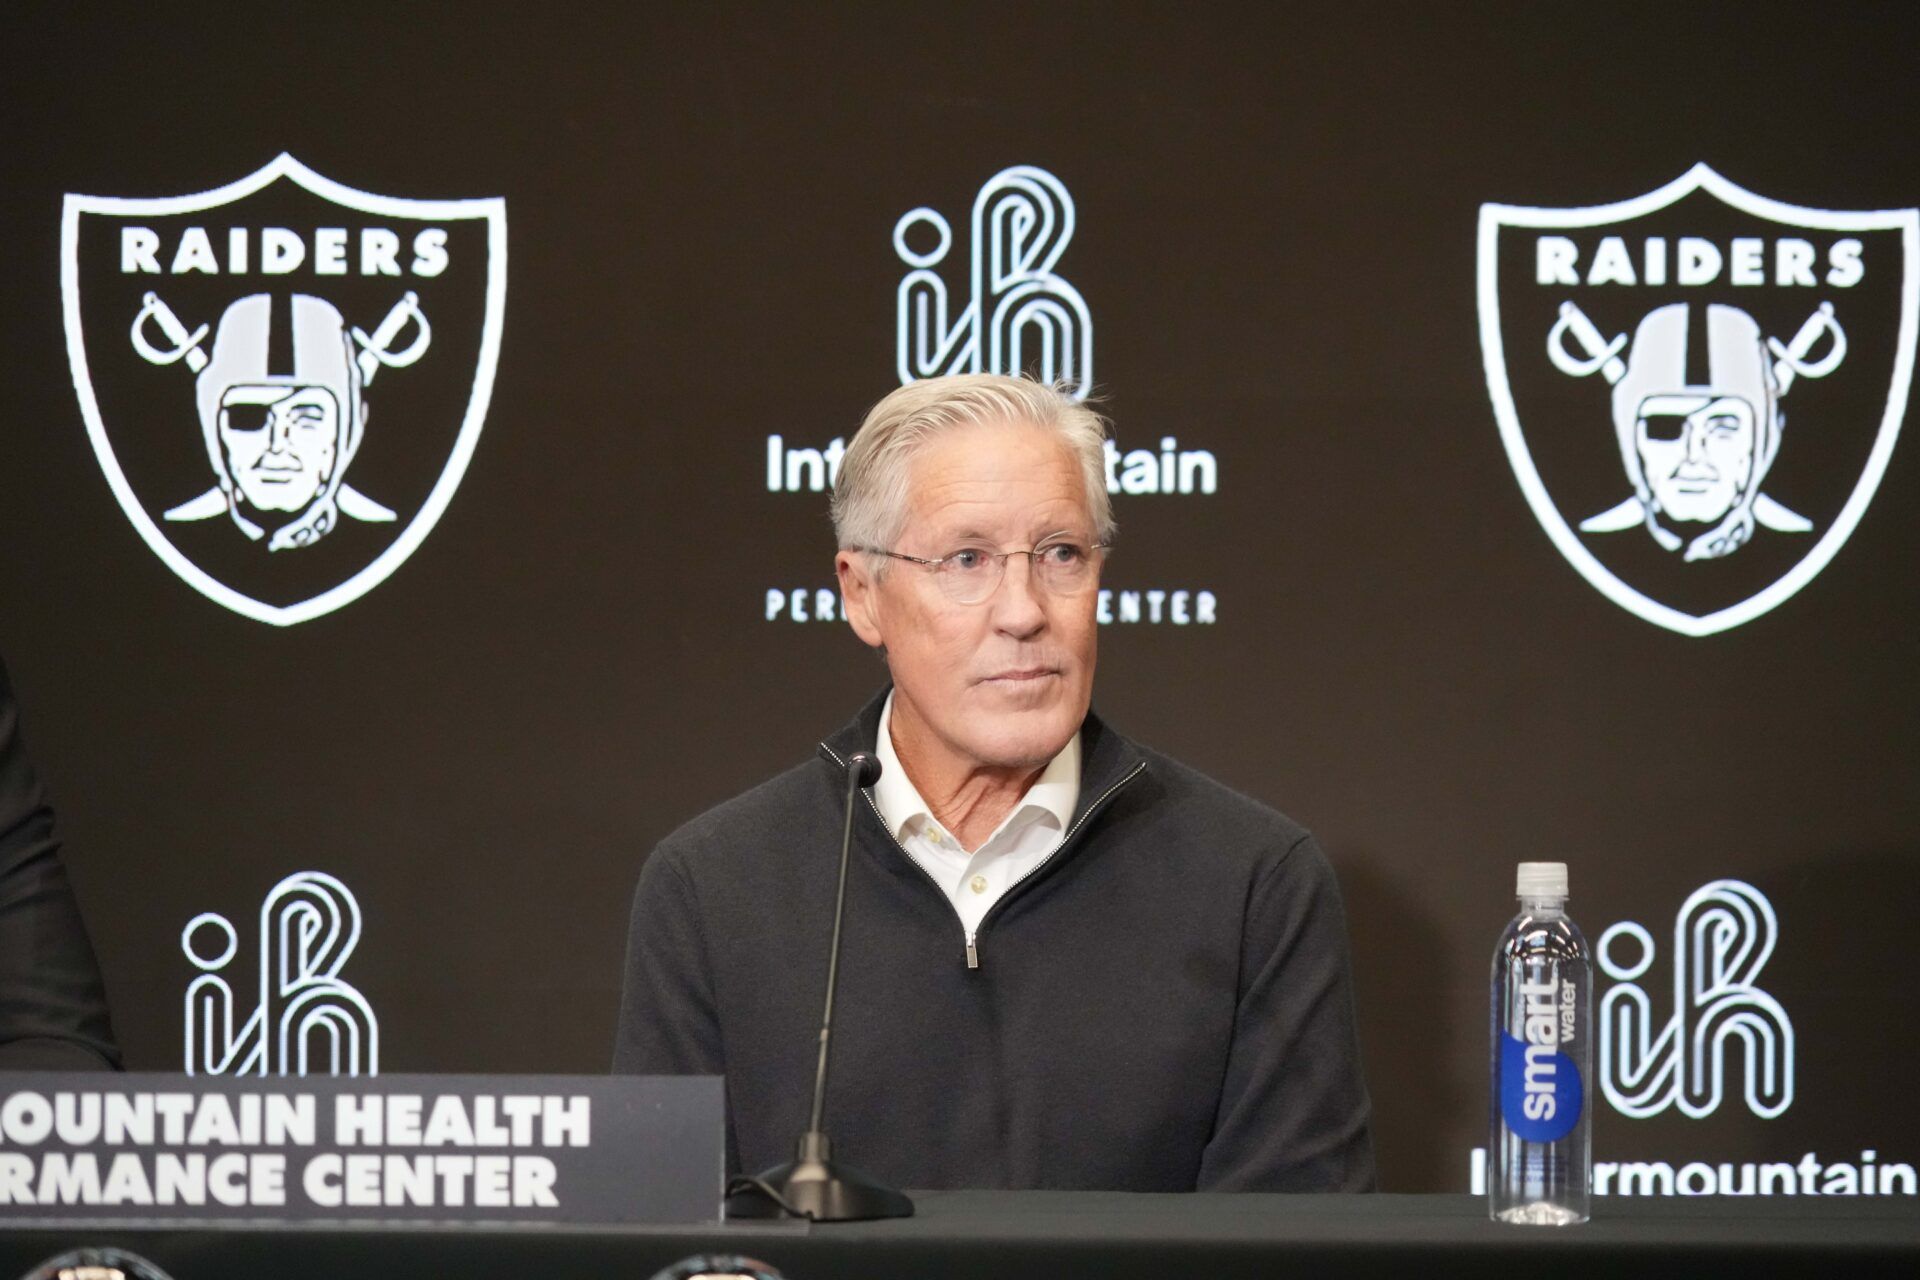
(978, 884)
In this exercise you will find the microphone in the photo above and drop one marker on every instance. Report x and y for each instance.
(812, 1186)
(863, 770)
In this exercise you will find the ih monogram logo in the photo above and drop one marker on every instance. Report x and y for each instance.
(1721, 939)
(1018, 311)
(309, 925)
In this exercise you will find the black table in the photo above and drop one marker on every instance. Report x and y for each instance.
(1055, 1234)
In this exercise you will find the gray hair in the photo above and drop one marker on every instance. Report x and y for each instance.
(870, 494)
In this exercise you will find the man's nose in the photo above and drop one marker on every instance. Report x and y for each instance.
(1017, 607)
(279, 432)
(1696, 439)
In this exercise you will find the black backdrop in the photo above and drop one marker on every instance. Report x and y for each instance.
(1276, 238)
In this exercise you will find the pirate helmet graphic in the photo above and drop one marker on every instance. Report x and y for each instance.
(281, 414)
(1697, 416)
(282, 410)
(1696, 409)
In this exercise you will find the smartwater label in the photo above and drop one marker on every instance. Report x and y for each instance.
(1541, 1092)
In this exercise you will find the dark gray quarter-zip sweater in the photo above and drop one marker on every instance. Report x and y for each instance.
(1164, 1004)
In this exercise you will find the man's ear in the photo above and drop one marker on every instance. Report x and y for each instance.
(857, 592)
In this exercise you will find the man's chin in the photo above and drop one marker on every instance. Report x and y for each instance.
(1026, 741)
(283, 503)
(1691, 508)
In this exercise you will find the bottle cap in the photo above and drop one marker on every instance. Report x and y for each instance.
(1541, 880)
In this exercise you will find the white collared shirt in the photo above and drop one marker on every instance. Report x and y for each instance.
(975, 881)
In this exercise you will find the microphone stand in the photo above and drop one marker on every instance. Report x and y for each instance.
(813, 1186)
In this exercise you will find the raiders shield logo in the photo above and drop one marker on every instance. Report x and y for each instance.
(285, 378)
(1698, 389)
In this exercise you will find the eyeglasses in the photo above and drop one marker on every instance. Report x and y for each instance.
(970, 575)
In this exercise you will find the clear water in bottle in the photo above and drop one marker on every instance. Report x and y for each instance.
(1540, 1142)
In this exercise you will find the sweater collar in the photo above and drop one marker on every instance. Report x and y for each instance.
(900, 801)
(1106, 758)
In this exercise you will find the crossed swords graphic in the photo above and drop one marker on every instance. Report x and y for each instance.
(1603, 357)
(376, 352)
(376, 349)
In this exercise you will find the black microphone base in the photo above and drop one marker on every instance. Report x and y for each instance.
(814, 1187)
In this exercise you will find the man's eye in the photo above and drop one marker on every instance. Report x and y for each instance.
(1725, 423)
(1063, 554)
(967, 560)
(247, 417)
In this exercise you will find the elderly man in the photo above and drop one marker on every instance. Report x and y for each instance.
(1069, 961)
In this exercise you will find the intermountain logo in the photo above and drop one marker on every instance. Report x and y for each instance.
(225, 349)
(1722, 938)
(1019, 317)
(1642, 358)
(306, 1020)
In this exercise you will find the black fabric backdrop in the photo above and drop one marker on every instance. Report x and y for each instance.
(1276, 238)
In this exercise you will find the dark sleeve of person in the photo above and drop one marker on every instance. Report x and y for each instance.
(668, 1023)
(53, 1008)
(1294, 1114)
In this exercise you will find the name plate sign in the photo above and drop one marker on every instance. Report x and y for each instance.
(581, 1149)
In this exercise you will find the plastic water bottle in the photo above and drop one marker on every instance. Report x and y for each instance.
(1540, 1141)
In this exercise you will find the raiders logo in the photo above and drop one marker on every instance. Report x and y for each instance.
(283, 379)
(1699, 388)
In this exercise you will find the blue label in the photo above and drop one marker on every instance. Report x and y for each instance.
(1540, 1091)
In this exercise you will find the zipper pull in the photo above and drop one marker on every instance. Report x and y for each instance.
(973, 953)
